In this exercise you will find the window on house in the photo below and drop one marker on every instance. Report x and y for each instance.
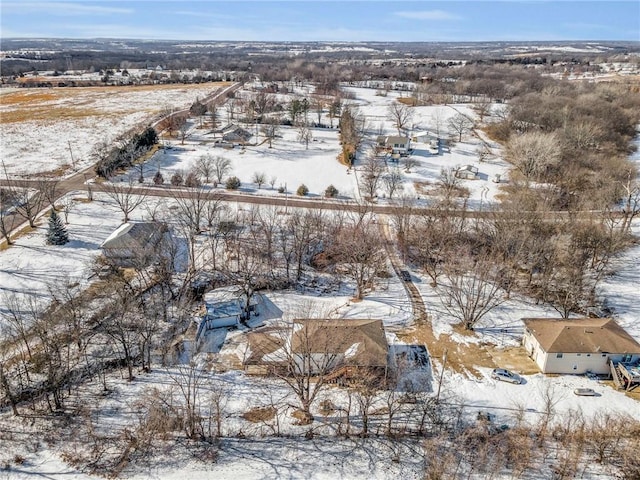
(558, 355)
(588, 354)
(578, 354)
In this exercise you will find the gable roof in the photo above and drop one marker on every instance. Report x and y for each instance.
(362, 342)
(392, 140)
(581, 335)
(132, 235)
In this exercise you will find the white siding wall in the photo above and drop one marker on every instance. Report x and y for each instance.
(550, 363)
(577, 363)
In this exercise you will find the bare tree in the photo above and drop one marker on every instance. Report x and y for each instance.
(401, 115)
(205, 167)
(460, 124)
(189, 381)
(259, 178)
(221, 168)
(8, 219)
(121, 324)
(371, 173)
(438, 121)
(125, 196)
(630, 199)
(483, 108)
(470, 291)
(185, 132)
(409, 163)
(305, 135)
(213, 114)
(27, 202)
(49, 190)
(359, 249)
(393, 181)
(270, 129)
(318, 105)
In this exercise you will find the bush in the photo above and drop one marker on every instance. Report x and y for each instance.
(331, 192)
(176, 179)
(158, 179)
(302, 190)
(281, 189)
(233, 183)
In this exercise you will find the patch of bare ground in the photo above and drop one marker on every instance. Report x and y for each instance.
(259, 414)
(513, 358)
(461, 357)
(432, 189)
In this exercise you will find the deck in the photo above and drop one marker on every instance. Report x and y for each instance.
(629, 374)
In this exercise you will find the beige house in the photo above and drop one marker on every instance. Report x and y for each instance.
(578, 345)
(334, 348)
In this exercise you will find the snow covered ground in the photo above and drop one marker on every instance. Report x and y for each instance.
(56, 129)
(30, 265)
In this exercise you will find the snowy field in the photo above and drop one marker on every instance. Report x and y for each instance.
(432, 120)
(292, 164)
(56, 129)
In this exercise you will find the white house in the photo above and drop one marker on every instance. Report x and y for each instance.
(578, 345)
(395, 144)
(468, 172)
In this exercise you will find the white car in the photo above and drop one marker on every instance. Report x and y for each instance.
(506, 376)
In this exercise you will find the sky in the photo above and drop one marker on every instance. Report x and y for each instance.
(310, 20)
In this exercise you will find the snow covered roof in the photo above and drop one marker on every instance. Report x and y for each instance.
(581, 335)
(229, 308)
(133, 235)
(391, 140)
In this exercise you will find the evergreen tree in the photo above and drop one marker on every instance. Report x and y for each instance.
(57, 233)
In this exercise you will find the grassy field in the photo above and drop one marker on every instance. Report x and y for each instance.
(66, 103)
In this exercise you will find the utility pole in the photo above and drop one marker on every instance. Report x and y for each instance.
(73, 162)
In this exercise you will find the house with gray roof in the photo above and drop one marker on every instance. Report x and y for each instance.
(134, 244)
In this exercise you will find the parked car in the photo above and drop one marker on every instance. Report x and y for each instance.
(405, 275)
(585, 392)
(505, 376)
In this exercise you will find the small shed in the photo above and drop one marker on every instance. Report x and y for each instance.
(468, 172)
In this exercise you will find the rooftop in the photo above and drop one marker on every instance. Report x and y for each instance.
(581, 335)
